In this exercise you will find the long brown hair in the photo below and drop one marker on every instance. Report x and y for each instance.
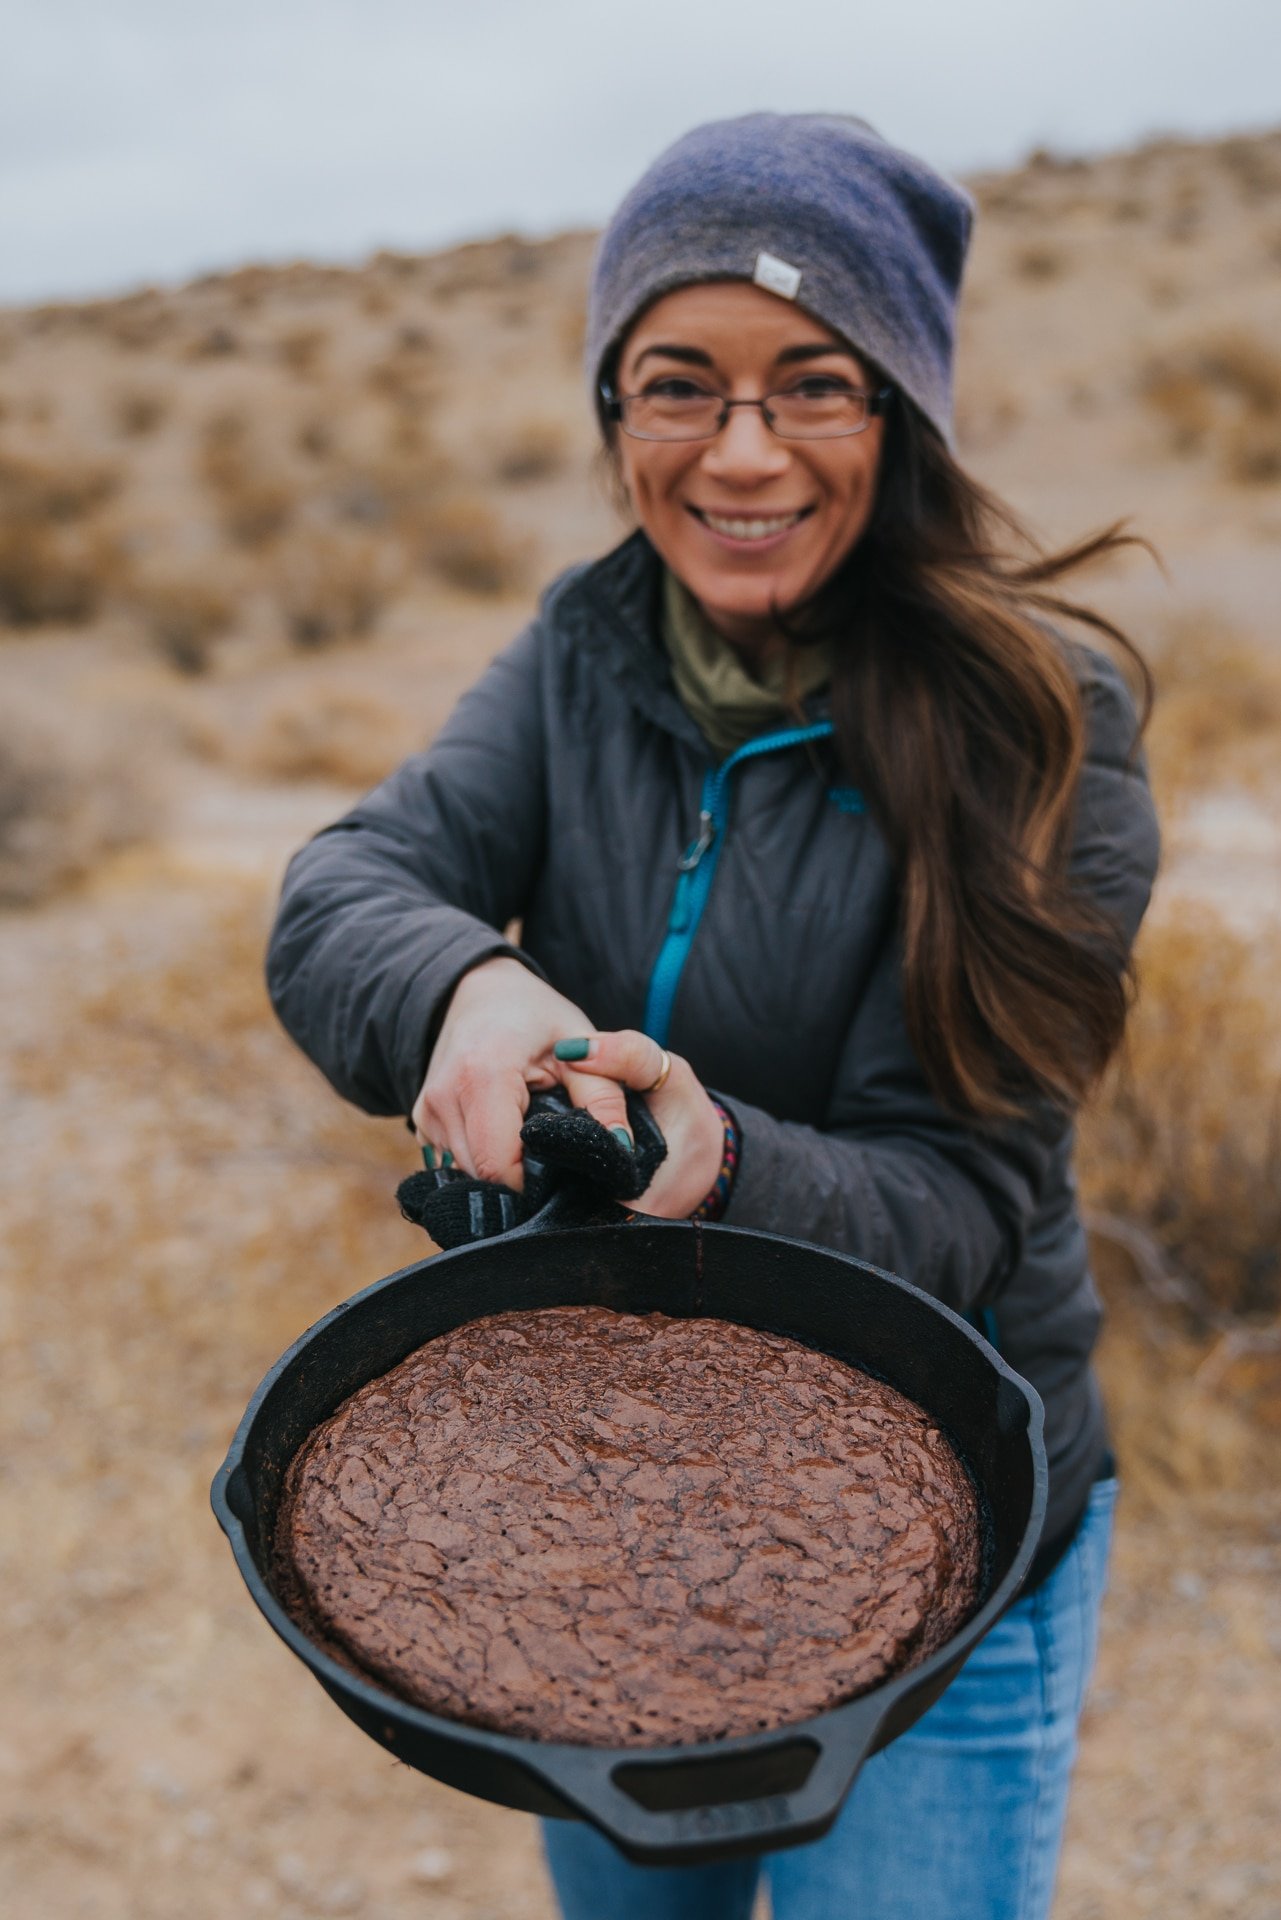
(959, 715)
(958, 712)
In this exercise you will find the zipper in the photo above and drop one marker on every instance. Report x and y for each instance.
(696, 869)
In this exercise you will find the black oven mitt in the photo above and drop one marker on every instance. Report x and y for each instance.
(561, 1142)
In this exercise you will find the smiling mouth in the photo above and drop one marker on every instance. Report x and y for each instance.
(753, 527)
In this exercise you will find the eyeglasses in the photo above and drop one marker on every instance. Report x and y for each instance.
(681, 410)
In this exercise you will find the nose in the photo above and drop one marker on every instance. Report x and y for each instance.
(745, 453)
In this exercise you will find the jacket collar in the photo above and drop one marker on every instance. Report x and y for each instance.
(610, 608)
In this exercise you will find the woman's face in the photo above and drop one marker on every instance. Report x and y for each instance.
(696, 499)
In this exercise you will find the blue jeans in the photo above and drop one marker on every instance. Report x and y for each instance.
(959, 1819)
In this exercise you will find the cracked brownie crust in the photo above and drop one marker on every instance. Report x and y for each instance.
(626, 1529)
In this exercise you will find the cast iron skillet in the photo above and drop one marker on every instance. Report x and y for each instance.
(665, 1806)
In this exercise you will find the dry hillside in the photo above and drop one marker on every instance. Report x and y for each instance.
(256, 534)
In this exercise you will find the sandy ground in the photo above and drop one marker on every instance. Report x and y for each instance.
(181, 1194)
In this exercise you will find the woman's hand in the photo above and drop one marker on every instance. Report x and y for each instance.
(689, 1122)
(494, 1045)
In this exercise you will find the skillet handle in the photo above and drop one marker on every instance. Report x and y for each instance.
(455, 1208)
(610, 1790)
(575, 1203)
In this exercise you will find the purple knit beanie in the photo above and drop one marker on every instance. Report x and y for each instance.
(815, 207)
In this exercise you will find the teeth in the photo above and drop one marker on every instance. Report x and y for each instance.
(750, 529)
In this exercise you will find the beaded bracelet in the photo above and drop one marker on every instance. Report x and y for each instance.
(718, 1199)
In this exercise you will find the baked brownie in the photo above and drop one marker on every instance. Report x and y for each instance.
(625, 1529)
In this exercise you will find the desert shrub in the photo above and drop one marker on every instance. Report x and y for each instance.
(217, 342)
(53, 574)
(138, 411)
(1183, 400)
(56, 563)
(182, 610)
(1038, 263)
(224, 446)
(140, 322)
(1185, 1142)
(254, 504)
(301, 349)
(403, 380)
(1251, 449)
(256, 508)
(1254, 168)
(248, 287)
(394, 487)
(329, 733)
(1225, 392)
(32, 490)
(486, 266)
(66, 799)
(388, 264)
(412, 338)
(1243, 364)
(331, 583)
(464, 541)
(315, 438)
(1218, 709)
(537, 448)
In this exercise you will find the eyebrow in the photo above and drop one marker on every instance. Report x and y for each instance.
(696, 357)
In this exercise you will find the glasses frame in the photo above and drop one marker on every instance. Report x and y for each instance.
(877, 399)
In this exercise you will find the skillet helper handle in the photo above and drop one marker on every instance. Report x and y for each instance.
(608, 1791)
(575, 1173)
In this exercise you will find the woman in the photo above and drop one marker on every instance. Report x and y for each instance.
(823, 838)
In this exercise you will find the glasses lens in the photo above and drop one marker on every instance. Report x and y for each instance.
(680, 412)
(818, 416)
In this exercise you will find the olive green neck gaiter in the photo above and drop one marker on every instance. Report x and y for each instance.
(726, 702)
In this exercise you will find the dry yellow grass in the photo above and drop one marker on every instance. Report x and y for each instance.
(183, 609)
(333, 733)
(58, 560)
(1038, 263)
(534, 449)
(1217, 718)
(1222, 392)
(404, 379)
(55, 575)
(68, 797)
(1185, 1141)
(332, 582)
(139, 411)
(464, 541)
(301, 350)
(35, 490)
(253, 501)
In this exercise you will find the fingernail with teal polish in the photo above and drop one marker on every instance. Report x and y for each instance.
(447, 1158)
(624, 1138)
(429, 1159)
(572, 1049)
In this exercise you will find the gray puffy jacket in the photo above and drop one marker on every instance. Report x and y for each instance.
(564, 790)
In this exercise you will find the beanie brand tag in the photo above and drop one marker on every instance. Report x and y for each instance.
(776, 276)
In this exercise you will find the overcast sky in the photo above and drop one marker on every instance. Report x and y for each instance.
(149, 140)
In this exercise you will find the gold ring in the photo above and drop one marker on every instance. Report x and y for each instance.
(663, 1072)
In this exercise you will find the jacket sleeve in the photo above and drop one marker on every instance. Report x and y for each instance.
(382, 913)
(893, 1178)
